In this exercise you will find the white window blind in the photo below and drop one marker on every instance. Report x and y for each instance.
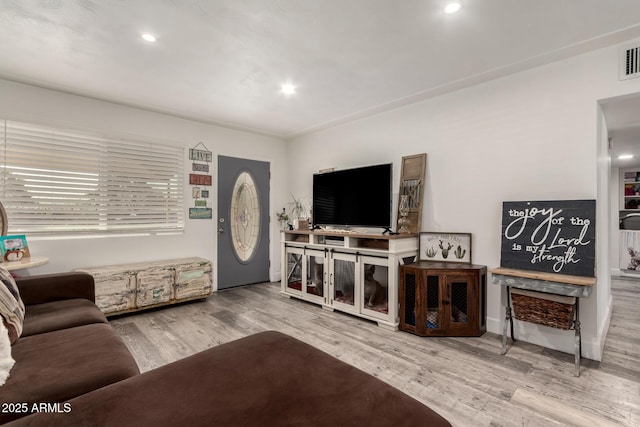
(62, 181)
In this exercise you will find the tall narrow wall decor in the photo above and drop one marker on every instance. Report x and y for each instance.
(412, 182)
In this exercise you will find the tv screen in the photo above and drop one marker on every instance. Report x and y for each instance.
(359, 197)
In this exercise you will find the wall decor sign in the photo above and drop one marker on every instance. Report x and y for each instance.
(200, 155)
(196, 179)
(556, 236)
(199, 213)
(448, 247)
(200, 167)
(412, 183)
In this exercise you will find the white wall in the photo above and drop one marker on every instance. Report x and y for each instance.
(616, 199)
(528, 136)
(37, 105)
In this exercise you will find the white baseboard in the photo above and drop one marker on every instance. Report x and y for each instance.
(602, 333)
(275, 276)
(630, 273)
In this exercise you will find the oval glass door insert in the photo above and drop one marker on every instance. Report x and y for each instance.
(245, 217)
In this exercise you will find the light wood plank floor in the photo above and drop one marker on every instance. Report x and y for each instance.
(464, 379)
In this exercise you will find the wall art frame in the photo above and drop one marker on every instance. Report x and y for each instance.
(445, 247)
(14, 247)
(412, 183)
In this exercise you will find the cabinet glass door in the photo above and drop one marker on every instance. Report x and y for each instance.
(374, 283)
(315, 281)
(343, 280)
(294, 270)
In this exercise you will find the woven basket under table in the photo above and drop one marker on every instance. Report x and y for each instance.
(544, 309)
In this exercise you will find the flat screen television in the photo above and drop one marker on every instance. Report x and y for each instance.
(358, 197)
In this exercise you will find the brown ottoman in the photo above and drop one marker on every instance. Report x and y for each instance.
(268, 379)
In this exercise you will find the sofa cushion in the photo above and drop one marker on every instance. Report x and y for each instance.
(61, 365)
(53, 316)
(55, 287)
(11, 305)
(6, 361)
(268, 379)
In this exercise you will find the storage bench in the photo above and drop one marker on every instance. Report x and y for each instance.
(130, 287)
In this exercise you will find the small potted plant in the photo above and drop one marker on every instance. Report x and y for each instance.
(300, 213)
(283, 218)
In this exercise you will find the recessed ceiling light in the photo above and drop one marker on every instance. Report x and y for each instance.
(625, 156)
(452, 7)
(149, 37)
(288, 89)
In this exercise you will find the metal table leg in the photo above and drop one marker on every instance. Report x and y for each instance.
(508, 323)
(578, 340)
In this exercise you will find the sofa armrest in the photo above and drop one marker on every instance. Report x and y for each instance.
(56, 287)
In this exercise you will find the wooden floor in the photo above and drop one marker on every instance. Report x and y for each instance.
(464, 379)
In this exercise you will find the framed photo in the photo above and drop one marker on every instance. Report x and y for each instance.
(14, 248)
(447, 247)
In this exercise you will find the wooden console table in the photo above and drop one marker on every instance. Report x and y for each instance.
(547, 283)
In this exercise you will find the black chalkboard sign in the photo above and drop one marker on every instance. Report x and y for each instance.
(556, 236)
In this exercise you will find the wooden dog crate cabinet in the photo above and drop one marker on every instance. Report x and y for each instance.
(443, 299)
(130, 287)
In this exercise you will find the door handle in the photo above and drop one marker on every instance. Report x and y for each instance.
(220, 230)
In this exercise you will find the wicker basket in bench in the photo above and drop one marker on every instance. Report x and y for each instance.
(544, 309)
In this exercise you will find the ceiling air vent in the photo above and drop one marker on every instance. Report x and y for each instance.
(630, 62)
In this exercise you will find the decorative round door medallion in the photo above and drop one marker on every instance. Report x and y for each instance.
(245, 217)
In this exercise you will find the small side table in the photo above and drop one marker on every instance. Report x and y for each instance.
(27, 262)
(548, 283)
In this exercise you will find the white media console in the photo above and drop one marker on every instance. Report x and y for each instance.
(355, 273)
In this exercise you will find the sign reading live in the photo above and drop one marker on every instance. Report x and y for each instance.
(555, 236)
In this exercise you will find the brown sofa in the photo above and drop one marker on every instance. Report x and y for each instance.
(267, 379)
(67, 347)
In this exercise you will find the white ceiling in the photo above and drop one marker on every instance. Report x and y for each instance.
(223, 61)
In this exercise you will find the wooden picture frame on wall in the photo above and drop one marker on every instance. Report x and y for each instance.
(445, 247)
(412, 183)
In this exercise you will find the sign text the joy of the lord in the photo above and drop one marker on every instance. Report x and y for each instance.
(549, 236)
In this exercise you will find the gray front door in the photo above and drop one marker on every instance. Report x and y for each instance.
(243, 222)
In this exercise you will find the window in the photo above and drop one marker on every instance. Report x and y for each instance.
(62, 181)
